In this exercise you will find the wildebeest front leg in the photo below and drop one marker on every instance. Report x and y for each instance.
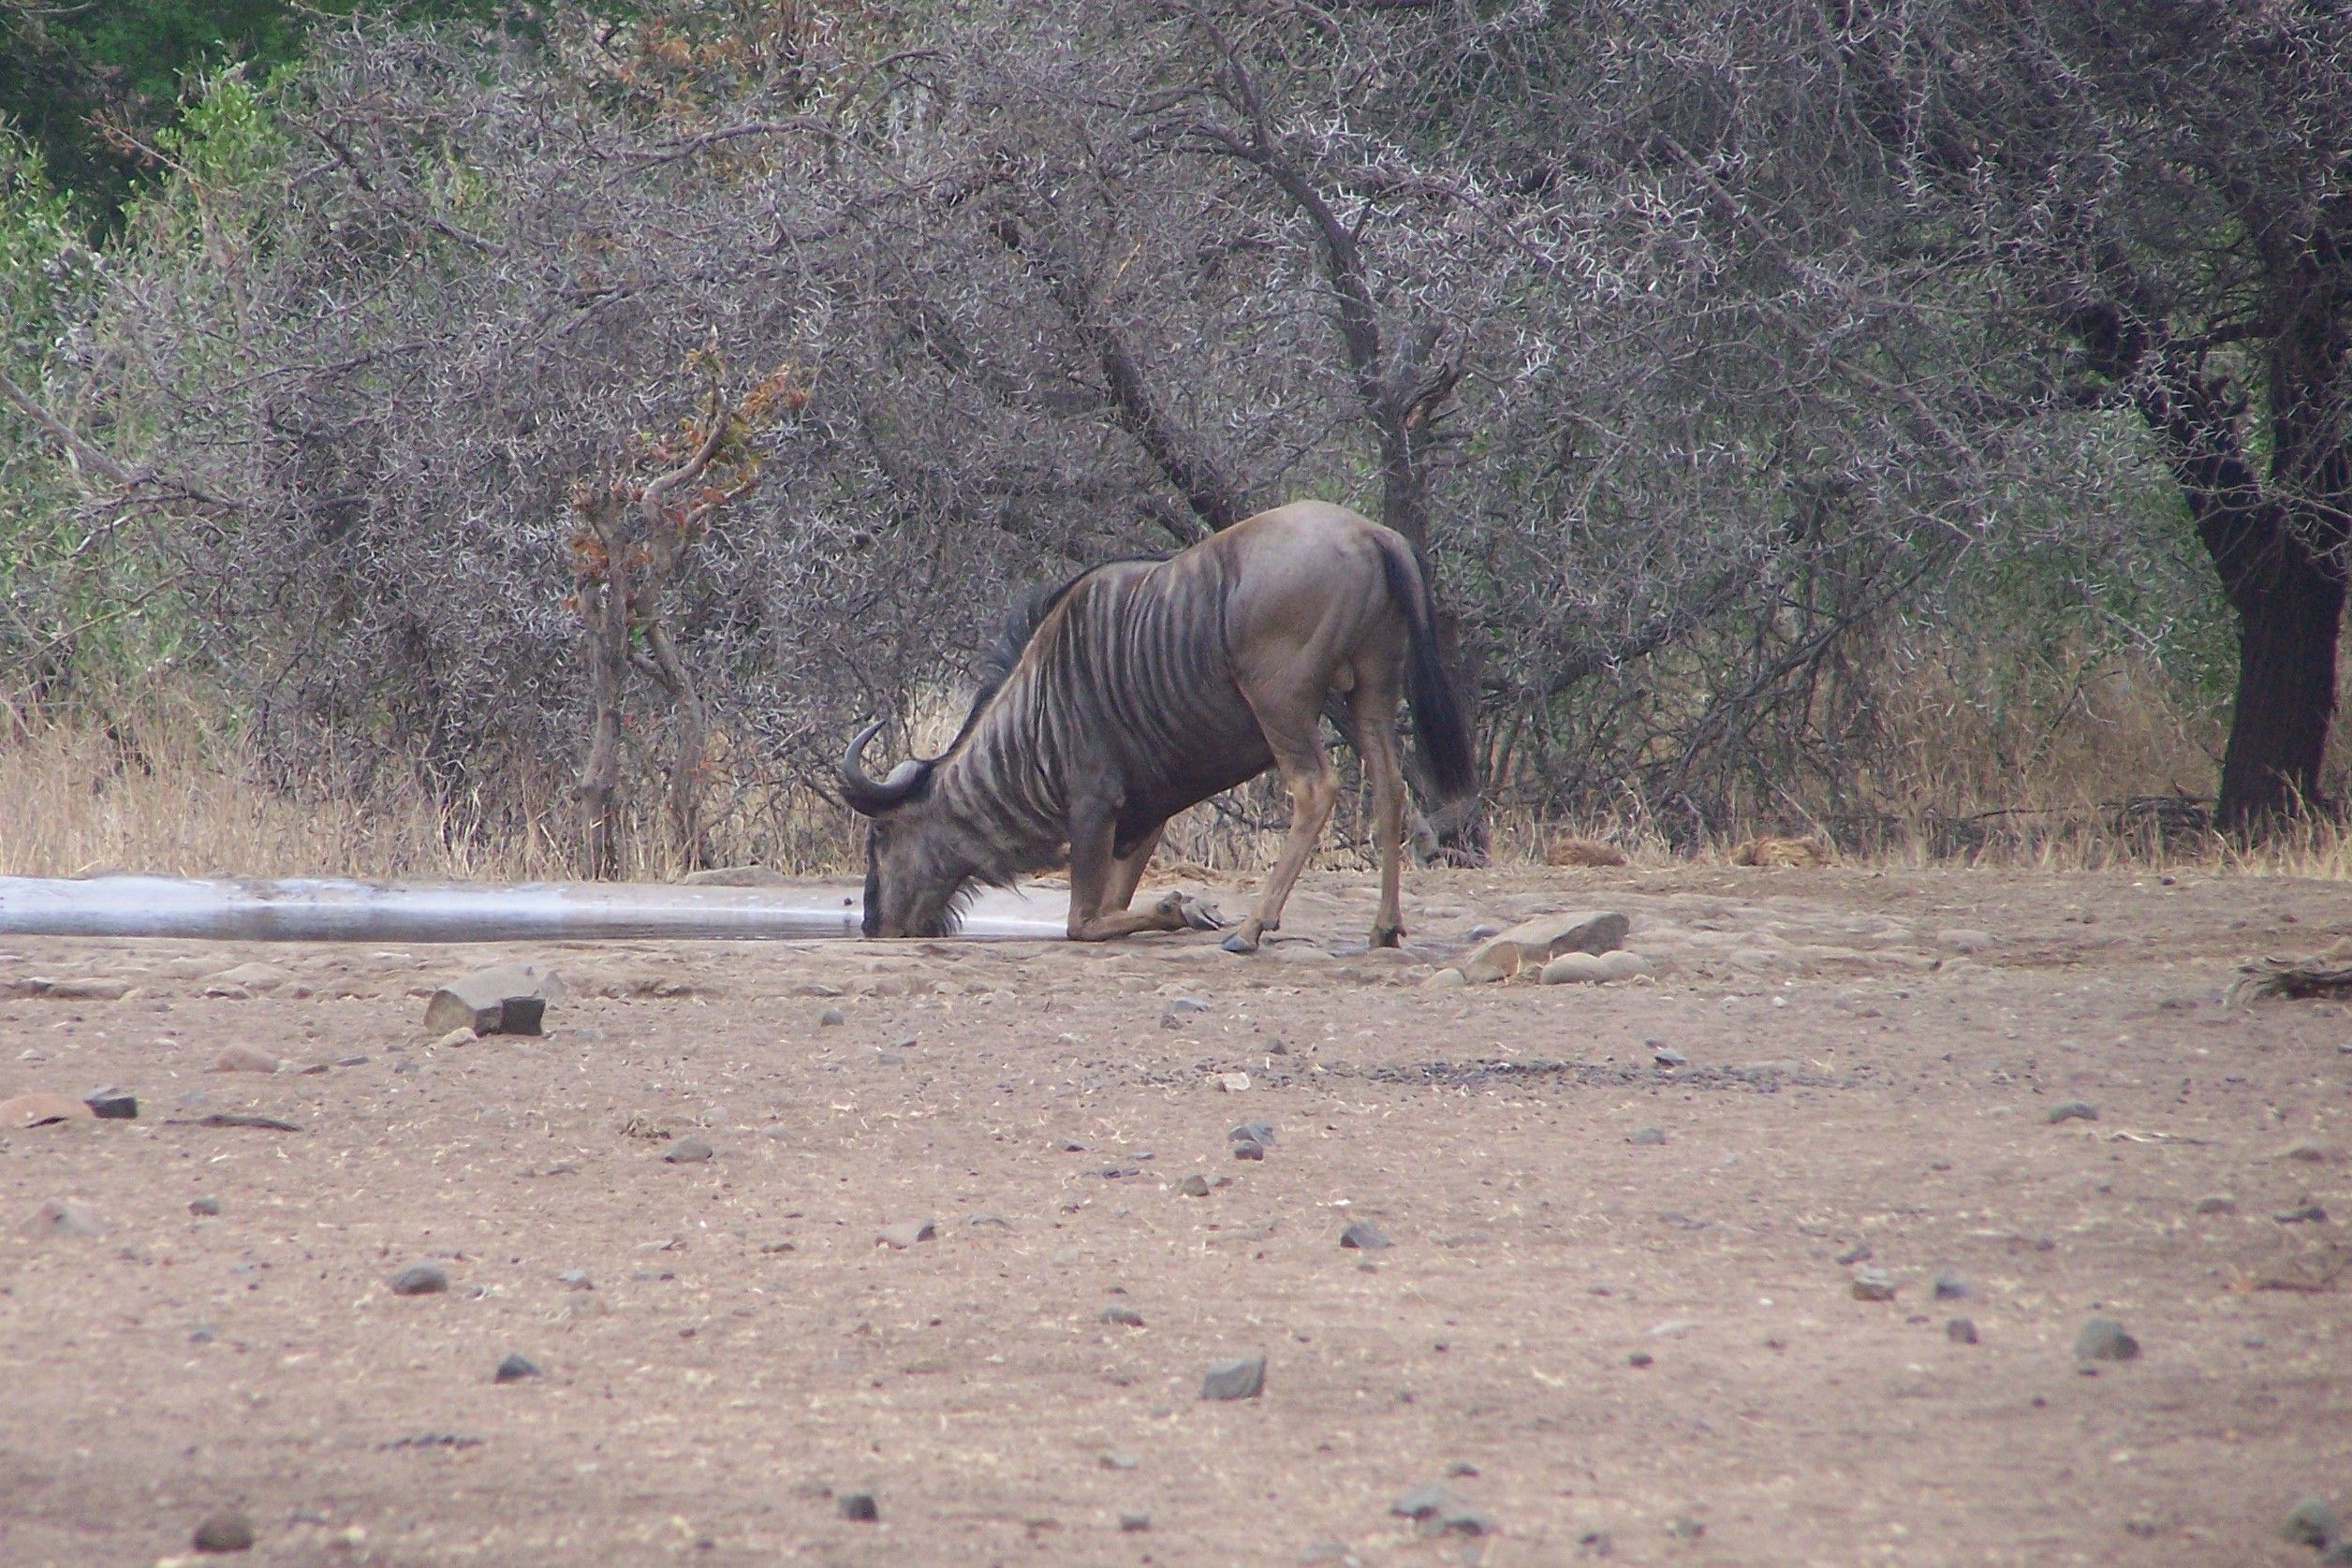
(1097, 876)
(1126, 872)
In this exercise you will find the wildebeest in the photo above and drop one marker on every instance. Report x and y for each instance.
(1141, 687)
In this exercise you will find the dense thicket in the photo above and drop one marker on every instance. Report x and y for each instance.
(1727, 360)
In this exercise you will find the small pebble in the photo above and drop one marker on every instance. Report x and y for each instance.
(1684, 1527)
(1641, 1358)
(1961, 1331)
(686, 1151)
(1187, 1005)
(860, 1507)
(1873, 1285)
(1251, 1132)
(1364, 1235)
(1242, 1378)
(1646, 1137)
(832, 1017)
(1667, 1056)
(2218, 1203)
(1859, 1252)
(1126, 1317)
(2103, 1339)
(420, 1279)
(2310, 1523)
(227, 1530)
(207, 1205)
(1130, 1523)
(2073, 1110)
(515, 1368)
(1194, 1186)
(576, 1279)
(1594, 1543)
(1462, 1466)
(1245, 1149)
(1110, 1460)
(1949, 1286)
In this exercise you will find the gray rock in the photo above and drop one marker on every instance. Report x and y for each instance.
(576, 1279)
(515, 1368)
(1194, 1186)
(205, 1204)
(420, 1279)
(1641, 1358)
(1439, 1512)
(832, 1017)
(1949, 1286)
(1684, 1527)
(1859, 1252)
(1540, 940)
(1248, 1150)
(1126, 1317)
(1594, 1543)
(1364, 1235)
(860, 1507)
(686, 1151)
(1130, 1524)
(1667, 1056)
(1186, 1004)
(1646, 1137)
(1961, 1331)
(907, 1233)
(510, 998)
(1242, 1378)
(2073, 1110)
(1260, 1132)
(227, 1530)
(1110, 1460)
(1460, 1467)
(112, 1103)
(1873, 1285)
(2103, 1339)
(2217, 1203)
(2309, 1213)
(66, 1217)
(2312, 1523)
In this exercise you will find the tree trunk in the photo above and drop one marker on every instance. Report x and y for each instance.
(2288, 616)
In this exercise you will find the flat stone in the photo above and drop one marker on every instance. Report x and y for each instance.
(2073, 1110)
(1186, 1004)
(420, 1279)
(2103, 1339)
(1234, 1083)
(1242, 1378)
(1961, 1331)
(1364, 1236)
(510, 998)
(1648, 1137)
(1110, 1460)
(43, 1110)
(227, 1530)
(87, 987)
(1667, 1056)
(1126, 1317)
(110, 1103)
(686, 1151)
(2310, 1523)
(244, 1059)
(1252, 1132)
(66, 1217)
(906, 1234)
(1872, 1285)
(860, 1507)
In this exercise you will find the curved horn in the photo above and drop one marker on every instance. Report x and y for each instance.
(862, 791)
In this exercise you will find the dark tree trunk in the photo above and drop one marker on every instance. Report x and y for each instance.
(2289, 622)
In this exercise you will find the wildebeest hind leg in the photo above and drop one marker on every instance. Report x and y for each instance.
(1097, 876)
(1312, 794)
(1377, 745)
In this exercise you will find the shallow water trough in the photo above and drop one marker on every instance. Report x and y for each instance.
(318, 909)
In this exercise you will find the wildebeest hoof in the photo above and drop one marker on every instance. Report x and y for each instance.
(1201, 915)
(1240, 942)
(1388, 936)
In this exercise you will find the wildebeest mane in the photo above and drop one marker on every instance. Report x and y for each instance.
(1030, 606)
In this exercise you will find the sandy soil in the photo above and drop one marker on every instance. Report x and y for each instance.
(1870, 1059)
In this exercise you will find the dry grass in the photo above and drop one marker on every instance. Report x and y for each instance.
(162, 787)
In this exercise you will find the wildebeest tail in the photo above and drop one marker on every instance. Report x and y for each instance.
(1436, 716)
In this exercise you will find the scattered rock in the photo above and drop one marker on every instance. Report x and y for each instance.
(832, 1017)
(2308, 1152)
(515, 1368)
(2073, 1110)
(906, 1234)
(1646, 1137)
(1447, 978)
(1540, 940)
(1641, 1358)
(1243, 1379)
(576, 1279)
(66, 1217)
(206, 1205)
(1460, 1467)
(1589, 969)
(42, 1110)
(1249, 1149)
(1126, 1317)
(2309, 1213)
(2217, 1203)
(461, 1035)
(1234, 1083)
(1364, 1236)
(2103, 1339)
(1873, 1285)
(253, 977)
(244, 1059)
(1594, 1543)
(2312, 1523)
(1949, 1286)
(735, 877)
(510, 998)
(1684, 1527)
(1439, 1512)
(1186, 1004)
(420, 1279)
(860, 1507)
(1667, 1056)
(686, 1151)
(227, 1530)
(1859, 1252)
(1071, 1146)
(1110, 1460)
(1252, 1132)
(110, 1103)
(1130, 1524)
(1194, 1186)
(1961, 1331)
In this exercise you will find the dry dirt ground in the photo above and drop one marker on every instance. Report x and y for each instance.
(1602, 1344)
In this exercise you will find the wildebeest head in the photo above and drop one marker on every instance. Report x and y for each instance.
(916, 867)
